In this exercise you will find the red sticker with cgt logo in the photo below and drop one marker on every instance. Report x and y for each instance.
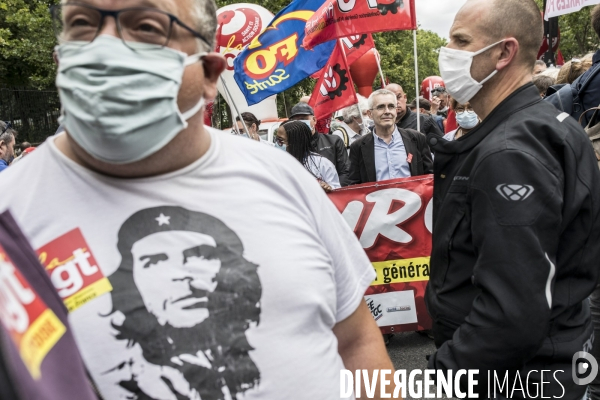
(73, 269)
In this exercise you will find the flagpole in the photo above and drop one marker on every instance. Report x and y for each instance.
(417, 82)
(378, 58)
(236, 109)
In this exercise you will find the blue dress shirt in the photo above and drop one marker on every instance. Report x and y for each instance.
(390, 159)
(3, 165)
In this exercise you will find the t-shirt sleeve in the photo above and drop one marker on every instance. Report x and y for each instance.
(330, 175)
(353, 272)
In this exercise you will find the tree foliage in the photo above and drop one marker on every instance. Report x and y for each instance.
(398, 61)
(577, 37)
(26, 43)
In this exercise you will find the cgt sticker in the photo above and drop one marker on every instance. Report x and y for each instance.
(32, 326)
(73, 269)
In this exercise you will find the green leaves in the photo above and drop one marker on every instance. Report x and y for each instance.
(577, 37)
(26, 43)
(397, 57)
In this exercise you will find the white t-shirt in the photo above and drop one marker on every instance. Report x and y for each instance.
(324, 169)
(223, 278)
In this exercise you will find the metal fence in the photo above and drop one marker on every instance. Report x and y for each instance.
(33, 113)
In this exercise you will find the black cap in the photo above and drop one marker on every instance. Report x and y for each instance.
(302, 109)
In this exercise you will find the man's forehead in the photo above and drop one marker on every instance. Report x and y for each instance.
(397, 89)
(384, 98)
(171, 6)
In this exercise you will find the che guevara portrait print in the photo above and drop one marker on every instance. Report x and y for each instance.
(187, 295)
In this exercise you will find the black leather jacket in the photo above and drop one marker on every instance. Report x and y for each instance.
(332, 148)
(516, 233)
(428, 124)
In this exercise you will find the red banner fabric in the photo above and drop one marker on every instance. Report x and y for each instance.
(393, 222)
(355, 47)
(334, 89)
(341, 18)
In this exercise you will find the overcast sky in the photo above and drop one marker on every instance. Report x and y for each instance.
(437, 15)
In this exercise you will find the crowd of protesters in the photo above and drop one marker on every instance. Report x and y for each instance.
(227, 272)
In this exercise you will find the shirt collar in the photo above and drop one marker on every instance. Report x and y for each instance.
(395, 135)
(3, 162)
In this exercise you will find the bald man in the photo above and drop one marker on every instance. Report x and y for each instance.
(406, 119)
(516, 216)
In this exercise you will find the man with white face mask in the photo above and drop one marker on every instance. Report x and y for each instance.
(159, 232)
(516, 215)
(354, 124)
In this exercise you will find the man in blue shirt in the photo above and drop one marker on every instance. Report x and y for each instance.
(7, 144)
(388, 152)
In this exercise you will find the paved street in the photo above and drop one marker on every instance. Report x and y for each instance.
(408, 351)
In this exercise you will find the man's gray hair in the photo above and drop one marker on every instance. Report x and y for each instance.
(349, 113)
(7, 136)
(379, 92)
(205, 15)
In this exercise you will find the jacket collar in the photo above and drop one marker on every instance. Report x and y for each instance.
(406, 115)
(523, 97)
(596, 57)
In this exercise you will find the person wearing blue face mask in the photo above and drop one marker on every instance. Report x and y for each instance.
(251, 122)
(162, 223)
(329, 146)
(466, 118)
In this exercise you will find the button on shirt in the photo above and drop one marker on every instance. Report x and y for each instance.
(390, 159)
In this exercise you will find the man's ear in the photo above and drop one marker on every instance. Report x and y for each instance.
(214, 64)
(510, 49)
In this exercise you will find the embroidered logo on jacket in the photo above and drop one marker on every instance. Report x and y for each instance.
(515, 192)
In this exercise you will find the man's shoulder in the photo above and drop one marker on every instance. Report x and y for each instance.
(330, 138)
(364, 139)
(412, 133)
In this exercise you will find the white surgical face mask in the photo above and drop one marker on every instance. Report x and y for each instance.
(367, 122)
(467, 120)
(120, 105)
(455, 67)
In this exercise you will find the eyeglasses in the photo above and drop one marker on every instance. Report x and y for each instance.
(384, 107)
(461, 112)
(279, 140)
(75, 22)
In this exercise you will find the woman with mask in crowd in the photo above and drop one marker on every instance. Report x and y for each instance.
(465, 118)
(295, 138)
(251, 122)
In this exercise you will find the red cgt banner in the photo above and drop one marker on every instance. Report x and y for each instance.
(393, 221)
(341, 18)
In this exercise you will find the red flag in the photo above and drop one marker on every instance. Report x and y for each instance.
(337, 19)
(334, 89)
(355, 47)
